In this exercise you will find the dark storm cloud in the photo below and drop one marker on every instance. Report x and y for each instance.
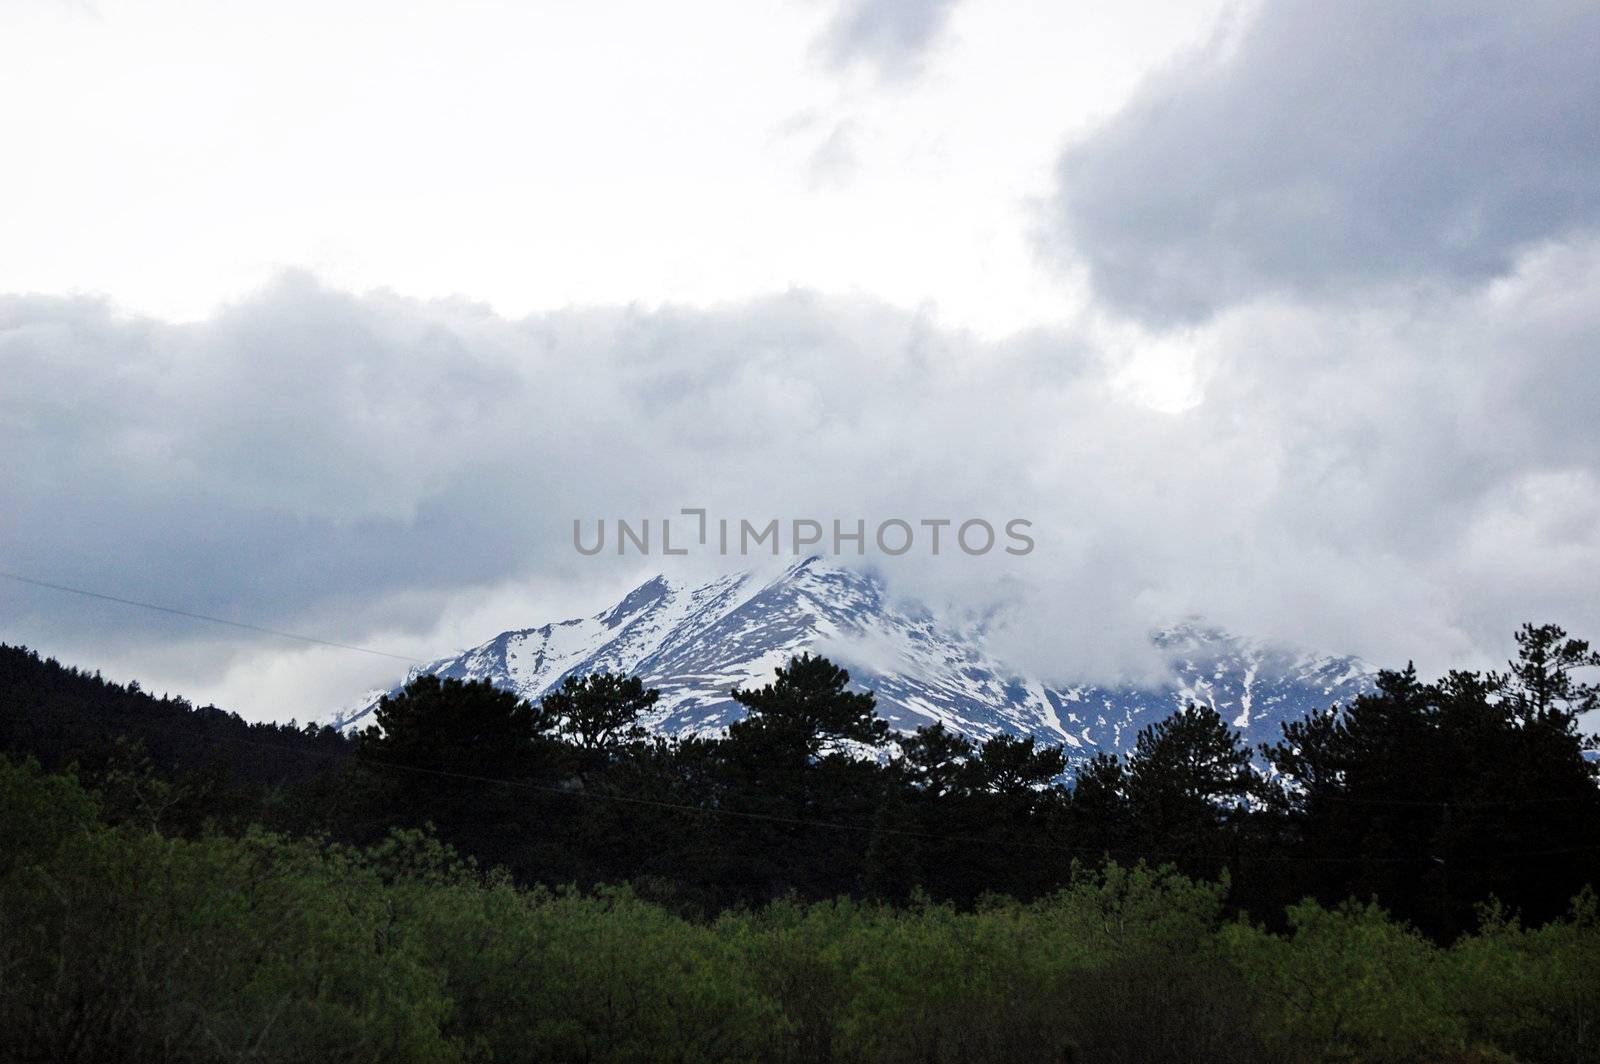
(1341, 147)
(893, 34)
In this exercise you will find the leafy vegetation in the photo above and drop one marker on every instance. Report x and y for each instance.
(119, 943)
(1406, 878)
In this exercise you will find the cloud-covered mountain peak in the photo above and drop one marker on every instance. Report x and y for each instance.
(696, 642)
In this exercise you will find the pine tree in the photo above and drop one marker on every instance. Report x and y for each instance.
(601, 711)
(1190, 761)
(1015, 766)
(808, 708)
(454, 725)
(1541, 684)
(933, 760)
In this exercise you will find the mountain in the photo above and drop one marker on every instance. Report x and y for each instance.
(695, 643)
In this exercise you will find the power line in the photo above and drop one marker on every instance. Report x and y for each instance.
(1427, 803)
(511, 783)
(206, 617)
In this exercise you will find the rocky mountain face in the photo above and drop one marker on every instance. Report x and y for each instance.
(696, 642)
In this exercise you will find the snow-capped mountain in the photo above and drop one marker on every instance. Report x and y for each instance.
(695, 643)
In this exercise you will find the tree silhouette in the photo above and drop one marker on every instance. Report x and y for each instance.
(1187, 780)
(1017, 767)
(1190, 761)
(468, 726)
(1540, 682)
(808, 709)
(933, 759)
(601, 711)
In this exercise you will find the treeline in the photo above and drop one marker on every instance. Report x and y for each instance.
(1432, 798)
(61, 714)
(119, 943)
(228, 770)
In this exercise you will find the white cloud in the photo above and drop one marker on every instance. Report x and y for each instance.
(536, 156)
(715, 273)
(371, 468)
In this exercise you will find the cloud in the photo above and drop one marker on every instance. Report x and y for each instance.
(1367, 228)
(1403, 481)
(351, 466)
(1338, 149)
(893, 35)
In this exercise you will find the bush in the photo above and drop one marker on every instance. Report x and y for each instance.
(1534, 992)
(1348, 984)
(120, 944)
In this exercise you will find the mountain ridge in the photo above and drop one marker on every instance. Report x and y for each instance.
(695, 642)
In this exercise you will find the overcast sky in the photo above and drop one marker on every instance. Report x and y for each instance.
(331, 317)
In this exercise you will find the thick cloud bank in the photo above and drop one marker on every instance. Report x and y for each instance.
(357, 467)
(1364, 233)
(1340, 147)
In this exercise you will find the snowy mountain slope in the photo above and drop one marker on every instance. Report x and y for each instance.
(695, 643)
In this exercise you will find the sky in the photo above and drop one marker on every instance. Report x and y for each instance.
(331, 318)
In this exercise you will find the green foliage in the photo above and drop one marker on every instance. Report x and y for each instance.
(141, 920)
(1120, 966)
(1534, 991)
(120, 944)
(39, 812)
(1349, 984)
(132, 791)
(546, 975)
(117, 944)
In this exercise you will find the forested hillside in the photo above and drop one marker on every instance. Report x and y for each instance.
(121, 943)
(480, 877)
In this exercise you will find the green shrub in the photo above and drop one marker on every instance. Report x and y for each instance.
(1348, 984)
(541, 975)
(1534, 992)
(120, 944)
